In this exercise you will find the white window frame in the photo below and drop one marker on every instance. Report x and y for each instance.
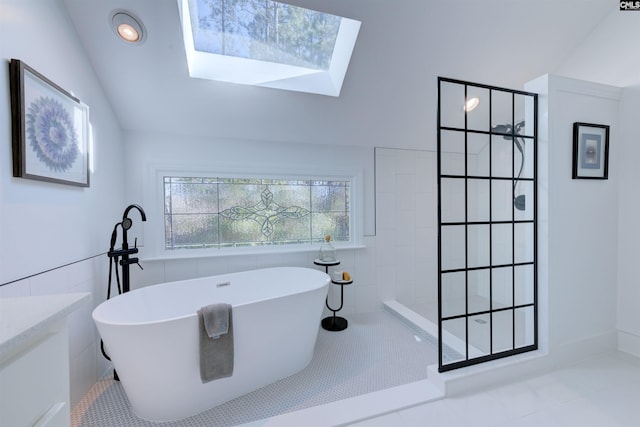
(155, 230)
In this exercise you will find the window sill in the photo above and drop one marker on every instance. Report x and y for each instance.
(247, 251)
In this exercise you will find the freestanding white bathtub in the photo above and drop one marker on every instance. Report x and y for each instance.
(151, 336)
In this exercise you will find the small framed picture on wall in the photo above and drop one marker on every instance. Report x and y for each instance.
(590, 151)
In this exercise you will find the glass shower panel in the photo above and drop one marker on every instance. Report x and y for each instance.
(501, 155)
(479, 335)
(523, 287)
(523, 242)
(486, 263)
(501, 244)
(477, 200)
(478, 157)
(524, 327)
(502, 330)
(478, 117)
(479, 293)
(478, 248)
(524, 114)
(501, 288)
(454, 294)
(453, 340)
(527, 153)
(452, 200)
(523, 193)
(453, 154)
(452, 251)
(501, 108)
(501, 200)
(451, 107)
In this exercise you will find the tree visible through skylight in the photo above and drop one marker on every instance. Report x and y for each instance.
(265, 30)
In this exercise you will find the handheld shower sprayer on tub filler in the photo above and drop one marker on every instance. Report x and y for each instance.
(120, 257)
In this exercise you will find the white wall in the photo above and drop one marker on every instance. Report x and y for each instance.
(628, 320)
(406, 233)
(578, 219)
(56, 227)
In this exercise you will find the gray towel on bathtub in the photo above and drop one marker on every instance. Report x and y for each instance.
(216, 354)
(216, 319)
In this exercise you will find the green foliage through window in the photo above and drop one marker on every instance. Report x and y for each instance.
(265, 30)
(232, 212)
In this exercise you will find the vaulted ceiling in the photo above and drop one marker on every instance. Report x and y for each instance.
(389, 94)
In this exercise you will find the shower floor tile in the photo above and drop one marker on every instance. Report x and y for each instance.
(377, 351)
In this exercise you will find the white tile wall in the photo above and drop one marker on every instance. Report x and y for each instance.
(406, 225)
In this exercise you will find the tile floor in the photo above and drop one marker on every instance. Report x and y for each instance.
(602, 391)
(375, 353)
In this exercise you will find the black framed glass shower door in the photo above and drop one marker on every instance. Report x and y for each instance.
(487, 240)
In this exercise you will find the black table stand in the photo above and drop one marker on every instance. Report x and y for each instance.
(334, 323)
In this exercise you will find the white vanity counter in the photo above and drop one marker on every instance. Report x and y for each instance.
(34, 359)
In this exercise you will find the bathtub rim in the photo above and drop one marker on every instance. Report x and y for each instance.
(104, 305)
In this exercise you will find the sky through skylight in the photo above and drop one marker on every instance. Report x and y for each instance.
(267, 43)
(265, 30)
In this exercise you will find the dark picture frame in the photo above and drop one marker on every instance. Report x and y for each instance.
(590, 151)
(50, 129)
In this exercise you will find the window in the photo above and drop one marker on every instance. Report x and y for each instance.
(214, 212)
(267, 43)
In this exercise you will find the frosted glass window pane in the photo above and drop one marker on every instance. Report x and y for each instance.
(254, 211)
(191, 231)
(328, 198)
(191, 197)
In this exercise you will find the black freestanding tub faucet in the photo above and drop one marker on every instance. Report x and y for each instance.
(125, 262)
(121, 257)
(123, 253)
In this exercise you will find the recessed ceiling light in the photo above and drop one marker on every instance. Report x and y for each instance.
(471, 104)
(127, 26)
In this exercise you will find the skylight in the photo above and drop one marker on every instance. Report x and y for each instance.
(267, 43)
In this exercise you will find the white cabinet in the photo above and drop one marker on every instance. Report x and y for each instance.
(34, 360)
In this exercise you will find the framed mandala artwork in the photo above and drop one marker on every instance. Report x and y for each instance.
(50, 129)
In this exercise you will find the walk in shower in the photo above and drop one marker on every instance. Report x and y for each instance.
(477, 292)
(487, 223)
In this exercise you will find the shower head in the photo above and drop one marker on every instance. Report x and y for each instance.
(512, 133)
